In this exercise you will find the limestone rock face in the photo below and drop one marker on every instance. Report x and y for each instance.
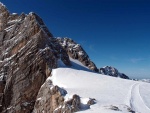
(27, 55)
(50, 99)
(75, 51)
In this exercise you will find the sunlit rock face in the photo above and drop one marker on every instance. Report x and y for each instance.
(28, 53)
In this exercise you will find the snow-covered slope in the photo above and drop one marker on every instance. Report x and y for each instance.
(113, 95)
(75, 64)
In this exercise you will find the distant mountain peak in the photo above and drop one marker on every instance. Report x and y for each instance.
(111, 71)
(28, 55)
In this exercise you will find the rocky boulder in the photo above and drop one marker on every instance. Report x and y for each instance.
(51, 99)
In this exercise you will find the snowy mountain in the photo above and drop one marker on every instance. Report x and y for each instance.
(111, 71)
(43, 74)
(112, 95)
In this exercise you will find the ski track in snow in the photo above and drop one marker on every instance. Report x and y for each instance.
(136, 102)
(134, 98)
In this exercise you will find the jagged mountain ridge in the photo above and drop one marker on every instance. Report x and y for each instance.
(70, 47)
(29, 52)
(75, 51)
(111, 71)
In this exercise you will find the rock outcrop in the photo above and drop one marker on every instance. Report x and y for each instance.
(50, 99)
(75, 51)
(111, 71)
(28, 53)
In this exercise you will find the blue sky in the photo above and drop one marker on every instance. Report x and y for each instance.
(113, 32)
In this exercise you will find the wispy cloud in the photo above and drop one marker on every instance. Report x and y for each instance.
(91, 48)
(113, 58)
(136, 60)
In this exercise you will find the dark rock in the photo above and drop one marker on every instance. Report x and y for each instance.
(111, 71)
(91, 101)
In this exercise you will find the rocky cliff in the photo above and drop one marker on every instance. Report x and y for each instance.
(28, 53)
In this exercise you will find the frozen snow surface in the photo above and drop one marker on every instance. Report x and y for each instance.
(113, 95)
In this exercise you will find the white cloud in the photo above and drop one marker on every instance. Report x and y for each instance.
(136, 60)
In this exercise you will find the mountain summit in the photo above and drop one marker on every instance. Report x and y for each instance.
(40, 73)
(29, 52)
